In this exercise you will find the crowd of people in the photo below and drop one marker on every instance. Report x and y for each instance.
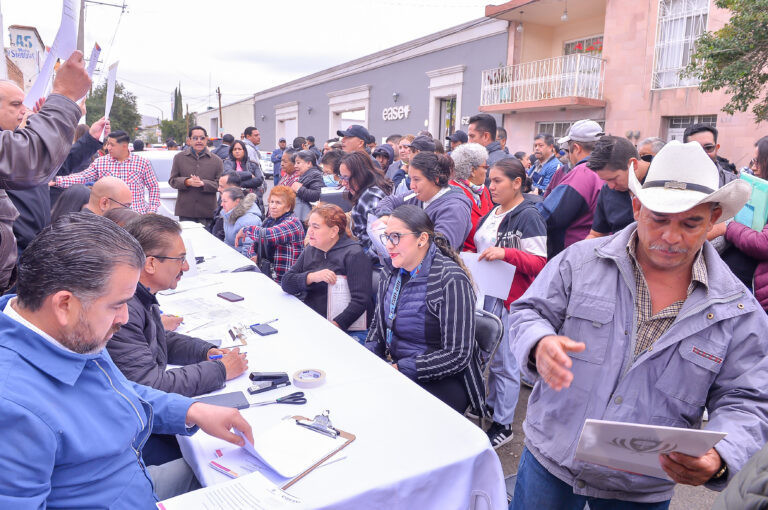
(635, 296)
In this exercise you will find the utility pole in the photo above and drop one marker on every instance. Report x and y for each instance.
(221, 119)
(81, 29)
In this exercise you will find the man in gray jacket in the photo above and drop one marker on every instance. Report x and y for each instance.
(32, 155)
(142, 348)
(646, 326)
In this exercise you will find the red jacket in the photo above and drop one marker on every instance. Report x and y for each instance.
(486, 204)
(753, 244)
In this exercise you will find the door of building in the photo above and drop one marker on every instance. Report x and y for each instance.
(288, 129)
(447, 122)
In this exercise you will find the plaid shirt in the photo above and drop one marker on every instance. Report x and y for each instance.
(289, 179)
(650, 327)
(135, 171)
(284, 237)
(367, 204)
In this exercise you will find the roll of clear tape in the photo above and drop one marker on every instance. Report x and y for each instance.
(308, 378)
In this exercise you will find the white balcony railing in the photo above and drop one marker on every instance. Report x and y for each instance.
(576, 75)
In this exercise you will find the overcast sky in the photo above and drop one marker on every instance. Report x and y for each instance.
(243, 46)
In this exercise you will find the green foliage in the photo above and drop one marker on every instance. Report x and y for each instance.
(178, 105)
(176, 129)
(123, 116)
(734, 58)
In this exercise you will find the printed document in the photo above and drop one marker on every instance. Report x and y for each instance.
(339, 298)
(249, 492)
(636, 448)
(493, 278)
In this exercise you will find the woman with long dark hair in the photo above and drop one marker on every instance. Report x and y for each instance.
(448, 208)
(515, 233)
(425, 313)
(248, 171)
(366, 187)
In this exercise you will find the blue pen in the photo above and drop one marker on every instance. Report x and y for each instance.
(215, 356)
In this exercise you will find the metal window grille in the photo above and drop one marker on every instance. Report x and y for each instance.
(559, 129)
(680, 24)
(589, 45)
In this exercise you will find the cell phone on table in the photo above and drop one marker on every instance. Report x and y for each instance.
(230, 296)
(263, 329)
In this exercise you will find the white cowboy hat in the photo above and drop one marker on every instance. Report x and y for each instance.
(681, 177)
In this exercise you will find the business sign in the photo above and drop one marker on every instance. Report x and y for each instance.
(396, 112)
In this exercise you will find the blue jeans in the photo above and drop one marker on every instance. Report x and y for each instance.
(536, 488)
(360, 336)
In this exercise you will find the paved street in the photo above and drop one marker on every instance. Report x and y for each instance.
(686, 498)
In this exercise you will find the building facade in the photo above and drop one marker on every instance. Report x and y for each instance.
(429, 83)
(234, 117)
(27, 51)
(613, 61)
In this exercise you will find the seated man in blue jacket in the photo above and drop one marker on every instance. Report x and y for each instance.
(73, 426)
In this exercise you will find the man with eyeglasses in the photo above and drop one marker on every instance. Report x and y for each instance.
(120, 162)
(195, 173)
(706, 136)
(108, 193)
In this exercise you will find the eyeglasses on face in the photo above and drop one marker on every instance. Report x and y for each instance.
(395, 237)
(647, 157)
(163, 257)
(710, 147)
(344, 179)
(121, 204)
(197, 138)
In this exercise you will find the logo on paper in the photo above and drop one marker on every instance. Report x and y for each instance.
(638, 445)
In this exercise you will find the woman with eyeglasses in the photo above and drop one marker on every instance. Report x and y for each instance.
(747, 256)
(425, 314)
(366, 187)
(308, 187)
(248, 171)
(330, 257)
(448, 208)
(470, 168)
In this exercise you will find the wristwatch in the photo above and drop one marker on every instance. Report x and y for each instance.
(722, 473)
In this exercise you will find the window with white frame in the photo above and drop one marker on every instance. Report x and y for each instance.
(589, 46)
(559, 129)
(676, 125)
(680, 24)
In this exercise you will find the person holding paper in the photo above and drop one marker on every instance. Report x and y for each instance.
(514, 232)
(425, 313)
(645, 326)
(73, 426)
(332, 254)
(366, 187)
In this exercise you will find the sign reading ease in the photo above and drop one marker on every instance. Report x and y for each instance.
(396, 112)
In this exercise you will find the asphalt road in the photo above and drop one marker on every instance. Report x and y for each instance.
(686, 497)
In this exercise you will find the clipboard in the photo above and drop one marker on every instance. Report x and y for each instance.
(345, 435)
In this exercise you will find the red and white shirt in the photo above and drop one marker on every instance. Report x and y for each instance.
(135, 171)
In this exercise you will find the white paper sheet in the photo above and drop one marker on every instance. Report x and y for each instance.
(250, 492)
(111, 80)
(339, 297)
(63, 46)
(493, 278)
(236, 463)
(636, 448)
(93, 59)
(290, 449)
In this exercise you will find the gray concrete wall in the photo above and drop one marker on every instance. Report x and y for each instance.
(408, 78)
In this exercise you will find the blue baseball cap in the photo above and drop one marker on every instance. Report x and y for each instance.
(356, 131)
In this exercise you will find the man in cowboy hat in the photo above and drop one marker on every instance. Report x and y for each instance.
(645, 326)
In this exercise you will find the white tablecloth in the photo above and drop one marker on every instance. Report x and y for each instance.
(411, 451)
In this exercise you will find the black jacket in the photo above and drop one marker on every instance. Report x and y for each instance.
(142, 349)
(34, 204)
(345, 258)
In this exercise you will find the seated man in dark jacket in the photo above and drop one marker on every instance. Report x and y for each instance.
(142, 348)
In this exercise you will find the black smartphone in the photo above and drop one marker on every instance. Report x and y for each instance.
(263, 329)
(230, 296)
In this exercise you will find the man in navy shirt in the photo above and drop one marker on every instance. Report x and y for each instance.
(611, 160)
